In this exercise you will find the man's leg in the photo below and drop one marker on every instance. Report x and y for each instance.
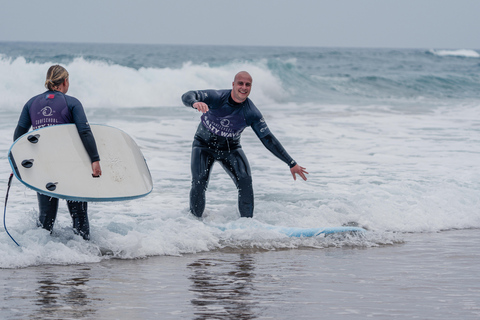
(236, 164)
(201, 164)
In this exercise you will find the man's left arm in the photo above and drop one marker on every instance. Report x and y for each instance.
(274, 146)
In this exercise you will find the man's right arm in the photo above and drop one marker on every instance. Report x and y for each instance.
(202, 100)
(210, 97)
(190, 97)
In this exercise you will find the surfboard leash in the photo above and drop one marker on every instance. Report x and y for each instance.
(5, 209)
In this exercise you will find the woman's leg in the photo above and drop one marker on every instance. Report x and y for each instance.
(78, 212)
(48, 208)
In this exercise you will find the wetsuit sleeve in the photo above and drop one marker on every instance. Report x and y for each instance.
(255, 119)
(210, 97)
(19, 131)
(24, 122)
(84, 130)
(275, 147)
(189, 98)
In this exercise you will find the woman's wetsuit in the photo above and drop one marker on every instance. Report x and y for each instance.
(52, 108)
(218, 139)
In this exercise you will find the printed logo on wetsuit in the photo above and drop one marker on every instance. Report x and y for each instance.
(46, 111)
(228, 126)
(47, 119)
(264, 125)
(201, 96)
(225, 122)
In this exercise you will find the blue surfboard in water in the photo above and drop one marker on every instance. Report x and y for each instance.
(313, 232)
(289, 231)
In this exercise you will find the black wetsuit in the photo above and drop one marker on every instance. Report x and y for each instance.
(52, 108)
(218, 139)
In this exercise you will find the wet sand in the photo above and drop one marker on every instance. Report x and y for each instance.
(429, 276)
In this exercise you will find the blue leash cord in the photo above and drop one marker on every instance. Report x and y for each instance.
(5, 210)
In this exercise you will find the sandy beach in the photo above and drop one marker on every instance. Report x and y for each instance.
(428, 276)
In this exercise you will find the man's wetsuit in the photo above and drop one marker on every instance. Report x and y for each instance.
(218, 139)
(52, 108)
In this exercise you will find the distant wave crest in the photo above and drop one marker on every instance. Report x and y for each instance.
(104, 84)
(456, 53)
(300, 77)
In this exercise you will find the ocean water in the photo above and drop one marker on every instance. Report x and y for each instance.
(390, 138)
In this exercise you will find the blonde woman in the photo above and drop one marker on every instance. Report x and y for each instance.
(51, 108)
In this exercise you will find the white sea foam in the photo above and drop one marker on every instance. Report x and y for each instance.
(102, 85)
(388, 172)
(387, 168)
(457, 53)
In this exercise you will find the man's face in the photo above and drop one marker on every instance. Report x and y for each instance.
(242, 84)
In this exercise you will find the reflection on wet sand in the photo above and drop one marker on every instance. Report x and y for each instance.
(59, 296)
(223, 288)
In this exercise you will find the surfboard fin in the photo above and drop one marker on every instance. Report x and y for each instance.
(28, 163)
(33, 138)
(51, 186)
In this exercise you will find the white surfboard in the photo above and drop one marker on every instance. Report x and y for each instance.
(53, 161)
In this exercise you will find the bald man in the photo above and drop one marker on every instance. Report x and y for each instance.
(226, 113)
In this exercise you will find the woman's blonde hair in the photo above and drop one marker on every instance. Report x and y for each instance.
(55, 76)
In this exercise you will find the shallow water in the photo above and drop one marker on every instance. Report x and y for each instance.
(429, 276)
(390, 138)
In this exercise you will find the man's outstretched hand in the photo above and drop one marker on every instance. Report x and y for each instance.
(300, 171)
